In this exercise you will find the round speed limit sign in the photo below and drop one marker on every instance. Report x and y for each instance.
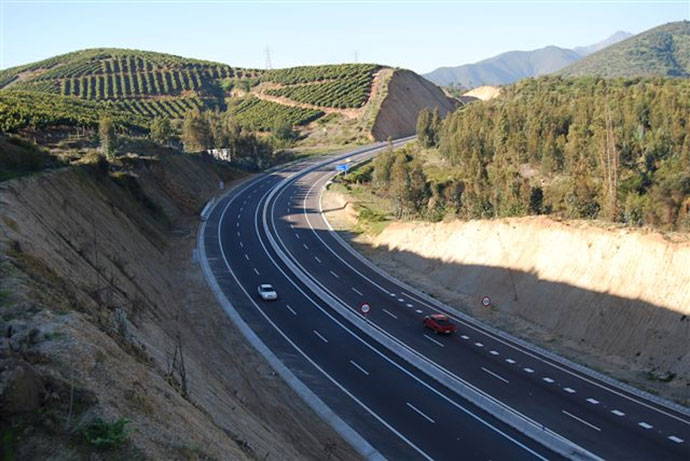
(365, 308)
(486, 301)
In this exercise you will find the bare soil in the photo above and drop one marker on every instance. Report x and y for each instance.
(105, 313)
(614, 299)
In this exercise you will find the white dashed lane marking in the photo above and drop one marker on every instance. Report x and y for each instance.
(510, 361)
(497, 376)
(257, 272)
(593, 401)
(359, 368)
(393, 294)
(675, 439)
(408, 305)
(528, 370)
(296, 235)
(645, 425)
(420, 413)
(334, 274)
(401, 300)
(465, 337)
(305, 246)
(479, 344)
(390, 313)
(291, 309)
(317, 259)
(494, 352)
(246, 256)
(357, 291)
(434, 341)
(548, 380)
(582, 421)
(617, 412)
(569, 390)
(241, 245)
(320, 336)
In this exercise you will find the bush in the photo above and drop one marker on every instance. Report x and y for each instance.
(103, 434)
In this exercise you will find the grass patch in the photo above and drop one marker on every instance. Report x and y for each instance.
(105, 435)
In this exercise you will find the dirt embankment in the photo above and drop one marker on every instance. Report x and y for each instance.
(614, 299)
(407, 94)
(105, 314)
(485, 92)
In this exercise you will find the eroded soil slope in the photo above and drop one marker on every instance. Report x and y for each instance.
(614, 299)
(105, 314)
(407, 94)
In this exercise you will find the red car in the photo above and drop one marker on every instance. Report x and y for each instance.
(439, 323)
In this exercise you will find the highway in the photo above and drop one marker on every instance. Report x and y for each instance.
(401, 388)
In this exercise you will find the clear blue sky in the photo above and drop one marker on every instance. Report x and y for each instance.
(416, 35)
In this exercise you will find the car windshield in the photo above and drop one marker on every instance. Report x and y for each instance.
(266, 288)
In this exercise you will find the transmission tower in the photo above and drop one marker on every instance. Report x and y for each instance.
(269, 66)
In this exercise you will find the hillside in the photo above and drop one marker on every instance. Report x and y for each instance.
(549, 281)
(514, 65)
(105, 314)
(135, 86)
(662, 51)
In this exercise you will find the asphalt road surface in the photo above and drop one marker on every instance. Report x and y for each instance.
(401, 411)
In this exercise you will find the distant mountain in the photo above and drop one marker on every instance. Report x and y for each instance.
(612, 40)
(513, 65)
(661, 51)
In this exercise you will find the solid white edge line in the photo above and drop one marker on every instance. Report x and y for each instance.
(522, 346)
(465, 385)
(582, 421)
(495, 375)
(420, 412)
(351, 436)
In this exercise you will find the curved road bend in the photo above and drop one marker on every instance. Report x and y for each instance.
(400, 411)
(609, 421)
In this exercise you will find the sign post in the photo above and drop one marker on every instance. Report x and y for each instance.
(486, 301)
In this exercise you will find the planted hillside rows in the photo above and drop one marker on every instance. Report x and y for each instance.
(21, 109)
(340, 94)
(307, 74)
(262, 115)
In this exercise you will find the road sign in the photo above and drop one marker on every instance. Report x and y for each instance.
(343, 167)
(486, 301)
(365, 308)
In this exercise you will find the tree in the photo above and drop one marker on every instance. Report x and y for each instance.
(382, 169)
(424, 133)
(161, 130)
(282, 130)
(106, 135)
(419, 189)
(400, 185)
(195, 131)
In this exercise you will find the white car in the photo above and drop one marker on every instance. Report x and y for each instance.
(267, 292)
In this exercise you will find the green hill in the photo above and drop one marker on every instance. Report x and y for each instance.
(147, 84)
(662, 51)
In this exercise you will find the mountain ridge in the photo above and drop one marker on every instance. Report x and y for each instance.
(511, 66)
